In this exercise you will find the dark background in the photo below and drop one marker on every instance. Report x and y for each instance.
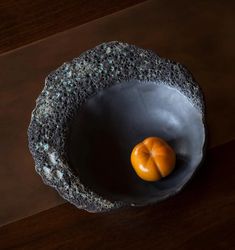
(199, 34)
(25, 21)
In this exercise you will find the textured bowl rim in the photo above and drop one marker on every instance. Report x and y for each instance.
(71, 85)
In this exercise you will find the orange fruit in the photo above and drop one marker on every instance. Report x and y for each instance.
(153, 159)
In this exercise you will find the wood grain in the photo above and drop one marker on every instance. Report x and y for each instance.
(200, 217)
(25, 21)
(205, 45)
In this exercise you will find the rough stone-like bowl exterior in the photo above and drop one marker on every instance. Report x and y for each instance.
(69, 86)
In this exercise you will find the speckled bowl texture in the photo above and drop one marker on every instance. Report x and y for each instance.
(70, 86)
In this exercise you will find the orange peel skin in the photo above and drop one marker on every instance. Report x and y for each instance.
(153, 159)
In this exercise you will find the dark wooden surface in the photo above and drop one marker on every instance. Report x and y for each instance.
(25, 21)
(200, 217)
(198, 35)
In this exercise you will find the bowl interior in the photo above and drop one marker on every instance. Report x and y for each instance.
(108, 126)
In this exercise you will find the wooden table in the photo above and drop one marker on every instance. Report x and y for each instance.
(199, 35)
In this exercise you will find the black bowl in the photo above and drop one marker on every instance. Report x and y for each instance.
(95, 109)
